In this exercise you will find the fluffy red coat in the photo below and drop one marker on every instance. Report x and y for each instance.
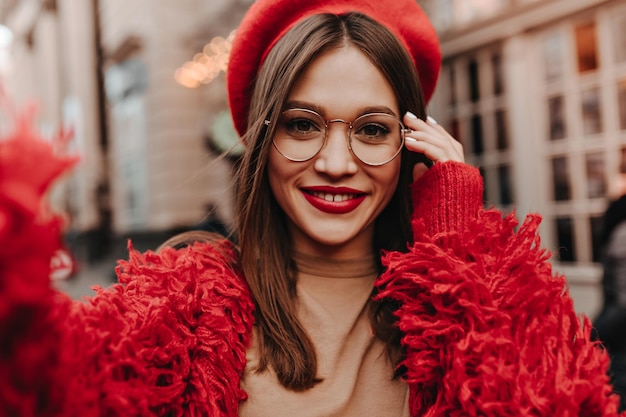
(489, 329)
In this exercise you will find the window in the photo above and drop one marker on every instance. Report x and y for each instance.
(592, 117)
(582, 96)
(498, 82)
(477, 135)
(126, 85)
(553, 46)
(502, 137)
(586, 47)
(504, 183)
(472, 70)
(560, 176)
(556, 113)
(475, 102)
(565, 238)
(596, 181)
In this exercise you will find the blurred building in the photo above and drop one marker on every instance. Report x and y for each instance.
(151, 145)
(536, 90)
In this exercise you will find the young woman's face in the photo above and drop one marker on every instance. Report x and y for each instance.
(332, 199)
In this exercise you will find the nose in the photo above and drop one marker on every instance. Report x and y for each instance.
(335, 159)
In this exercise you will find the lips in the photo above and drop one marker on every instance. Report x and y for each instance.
(333, 200)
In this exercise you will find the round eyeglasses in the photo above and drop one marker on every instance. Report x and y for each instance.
(374, 138)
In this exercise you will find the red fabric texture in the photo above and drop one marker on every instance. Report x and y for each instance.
(170, 340)
(432, 195)
(489, 329)
(268, 20)
(29, 235)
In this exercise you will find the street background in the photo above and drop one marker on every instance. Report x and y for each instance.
(534, 89)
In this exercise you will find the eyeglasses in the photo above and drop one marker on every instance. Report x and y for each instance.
(374, 138)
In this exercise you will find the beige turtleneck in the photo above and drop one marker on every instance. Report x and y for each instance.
(356, 373)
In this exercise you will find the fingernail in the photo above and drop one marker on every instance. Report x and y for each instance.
(431, 120)
(411, 115)
(410, 139)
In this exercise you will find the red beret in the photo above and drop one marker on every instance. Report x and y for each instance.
(267, 20)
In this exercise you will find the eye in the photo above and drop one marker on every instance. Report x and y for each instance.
(301, 127)
(372, 129)
(301, 124)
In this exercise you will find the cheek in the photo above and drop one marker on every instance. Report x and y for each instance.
(389, 177)
(386, 180)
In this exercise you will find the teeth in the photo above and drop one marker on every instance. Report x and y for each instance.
(333, 197)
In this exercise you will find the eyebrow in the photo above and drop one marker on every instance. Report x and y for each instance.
(320, 110)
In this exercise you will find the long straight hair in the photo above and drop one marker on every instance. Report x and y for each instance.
(265, 243)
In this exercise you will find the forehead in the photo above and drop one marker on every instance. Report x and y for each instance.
(343, 82)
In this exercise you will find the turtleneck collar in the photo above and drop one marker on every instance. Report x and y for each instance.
(321, 266)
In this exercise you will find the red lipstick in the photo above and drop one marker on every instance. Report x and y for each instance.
(333, 200)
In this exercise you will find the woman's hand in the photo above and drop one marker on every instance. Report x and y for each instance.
(431, 140)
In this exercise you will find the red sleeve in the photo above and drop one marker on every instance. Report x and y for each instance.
(170, 339)
(446, 198)
(490, 330)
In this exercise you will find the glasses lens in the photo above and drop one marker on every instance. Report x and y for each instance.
(376, 138)
(300, 134)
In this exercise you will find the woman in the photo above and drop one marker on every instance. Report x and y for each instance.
(460, 316)
(336, 209)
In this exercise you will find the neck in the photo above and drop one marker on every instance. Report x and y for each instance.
(358, 245)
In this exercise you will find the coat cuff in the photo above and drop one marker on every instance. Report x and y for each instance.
(445, 198)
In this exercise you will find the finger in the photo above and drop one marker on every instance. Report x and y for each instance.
(443, 146)
(433, 132)
(434, 150)
(432, 122)
(436, 139)
(429, 125)
(414, 123)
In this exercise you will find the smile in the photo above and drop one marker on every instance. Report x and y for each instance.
(333, 197)
(334, 201)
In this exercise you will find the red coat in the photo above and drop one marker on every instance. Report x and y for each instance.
(489, 329)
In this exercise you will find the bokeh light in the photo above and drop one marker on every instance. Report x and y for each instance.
(206, 65)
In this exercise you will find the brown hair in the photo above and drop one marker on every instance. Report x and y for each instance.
(262, 230)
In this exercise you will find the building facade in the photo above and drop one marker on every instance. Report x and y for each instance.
(109, 70)
(536, 91)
